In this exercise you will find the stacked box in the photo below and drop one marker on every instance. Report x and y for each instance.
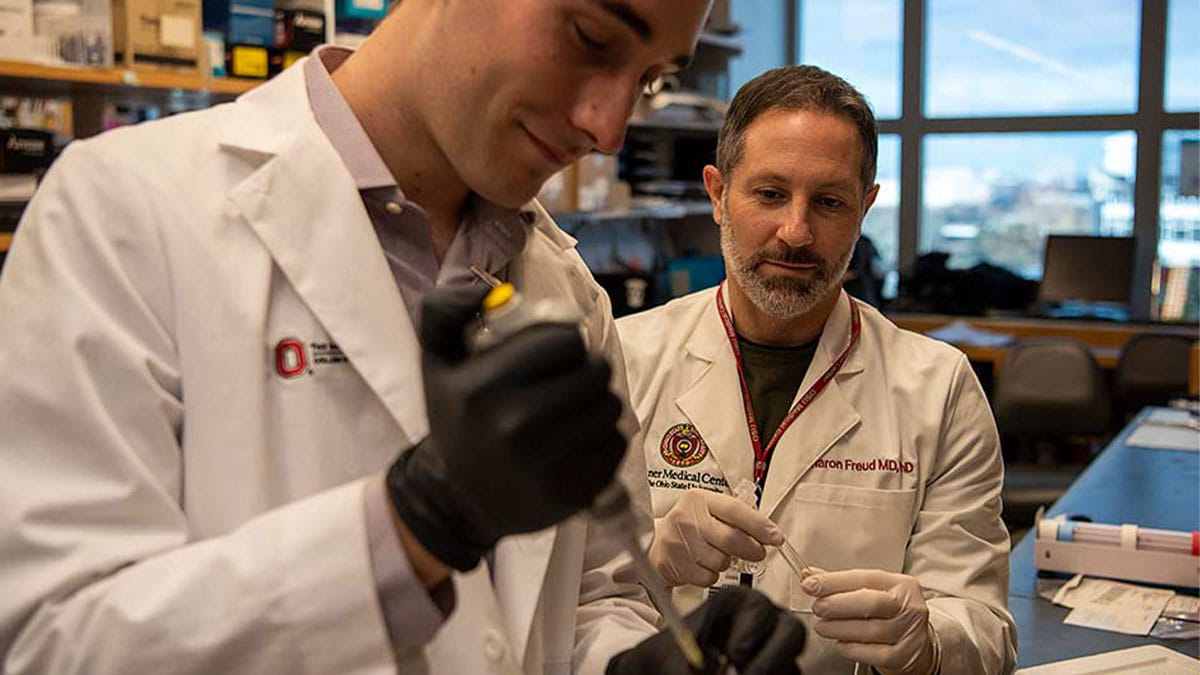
(158, 35)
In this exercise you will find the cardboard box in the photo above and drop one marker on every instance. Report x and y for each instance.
(597, 181)
(160, 35)
(560, 193)
(16, 24)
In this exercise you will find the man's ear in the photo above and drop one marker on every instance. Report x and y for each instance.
(714, 183)
(869, 201)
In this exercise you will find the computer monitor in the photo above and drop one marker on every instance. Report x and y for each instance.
(1087, 269)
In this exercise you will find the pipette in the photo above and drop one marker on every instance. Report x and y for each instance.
(613, 512)
(612, 509)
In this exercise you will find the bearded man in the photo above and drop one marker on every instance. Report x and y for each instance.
(869, 449)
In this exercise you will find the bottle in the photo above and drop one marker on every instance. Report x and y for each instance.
(506, 312)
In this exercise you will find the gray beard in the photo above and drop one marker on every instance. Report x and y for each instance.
(779, 297)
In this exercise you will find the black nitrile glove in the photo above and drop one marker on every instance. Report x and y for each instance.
(521, 435)
(737, 626)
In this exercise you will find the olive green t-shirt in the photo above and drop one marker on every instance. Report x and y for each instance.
(773, 376)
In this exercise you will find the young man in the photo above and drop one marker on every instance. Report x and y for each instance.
(211, 364)
(870, 449)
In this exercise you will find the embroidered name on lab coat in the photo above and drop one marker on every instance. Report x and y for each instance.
(678, 479)
(881, 464)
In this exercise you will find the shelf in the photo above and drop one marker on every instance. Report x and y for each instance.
(52, 78)
(672, 211)
(5, 240)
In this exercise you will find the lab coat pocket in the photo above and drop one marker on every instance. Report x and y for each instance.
(839, 527)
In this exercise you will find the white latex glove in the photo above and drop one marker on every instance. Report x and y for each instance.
(695, 541)
(878, 618)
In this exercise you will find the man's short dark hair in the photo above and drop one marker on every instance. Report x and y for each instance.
(797, 88)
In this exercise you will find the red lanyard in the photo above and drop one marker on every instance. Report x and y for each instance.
(763, 454)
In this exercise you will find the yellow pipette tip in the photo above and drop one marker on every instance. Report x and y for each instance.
(691, 651)
(499, 296)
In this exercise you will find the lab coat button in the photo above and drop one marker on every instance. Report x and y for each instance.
(493, 646)
(394, 208)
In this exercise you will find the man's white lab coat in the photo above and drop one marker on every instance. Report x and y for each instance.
(204, 354)
(895, 465)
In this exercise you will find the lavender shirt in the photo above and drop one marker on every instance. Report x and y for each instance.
(488, 236)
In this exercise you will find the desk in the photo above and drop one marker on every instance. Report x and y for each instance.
(1106, 357)
(1106, 339)
(1152, 488)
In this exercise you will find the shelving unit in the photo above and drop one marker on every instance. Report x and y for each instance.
(34, 77)
(90, 88)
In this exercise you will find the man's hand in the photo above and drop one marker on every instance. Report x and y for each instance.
(522, 435)
(878, 618)
(736, 626)
(694, 542)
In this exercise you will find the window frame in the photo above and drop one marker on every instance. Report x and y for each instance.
(1149, 122)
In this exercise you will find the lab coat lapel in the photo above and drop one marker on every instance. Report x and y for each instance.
(519, 573)
(304, 206)
(830, 416)
(713, 402)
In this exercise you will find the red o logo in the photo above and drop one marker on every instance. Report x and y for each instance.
(682, 446)
(290, 358)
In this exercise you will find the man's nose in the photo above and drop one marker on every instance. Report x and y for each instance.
(796, 230)
(602, 111)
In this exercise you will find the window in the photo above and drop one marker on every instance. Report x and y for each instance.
(994, 197)
(1031, 57)
(761, 38)
(1023, 119)
(1183, 56)
(1175, 287)
(882, 223)
(858, 40)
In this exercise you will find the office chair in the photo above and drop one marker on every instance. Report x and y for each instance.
(1153, 369)
(1052, 387)
(1049, 393)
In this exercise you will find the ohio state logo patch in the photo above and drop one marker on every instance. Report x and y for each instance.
(295, 357)
(682, 446)
(291, 358)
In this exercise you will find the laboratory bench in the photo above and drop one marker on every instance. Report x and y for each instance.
(1125, 484)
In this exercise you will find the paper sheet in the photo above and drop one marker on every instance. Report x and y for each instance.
(1112, 605)
(1145, 659)
(1168, 416)
(1163, 437)
(962, 333)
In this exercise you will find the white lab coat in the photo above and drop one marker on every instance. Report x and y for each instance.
(899, 396)
(169, 503)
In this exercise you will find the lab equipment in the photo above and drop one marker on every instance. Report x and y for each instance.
(794, 560)
(611, 511)
(1117, 551)
(506, 312)
(747, 493)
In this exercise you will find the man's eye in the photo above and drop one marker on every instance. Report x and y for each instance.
(767, 194)
(651, 85)
(832, 203)
(590, 43)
